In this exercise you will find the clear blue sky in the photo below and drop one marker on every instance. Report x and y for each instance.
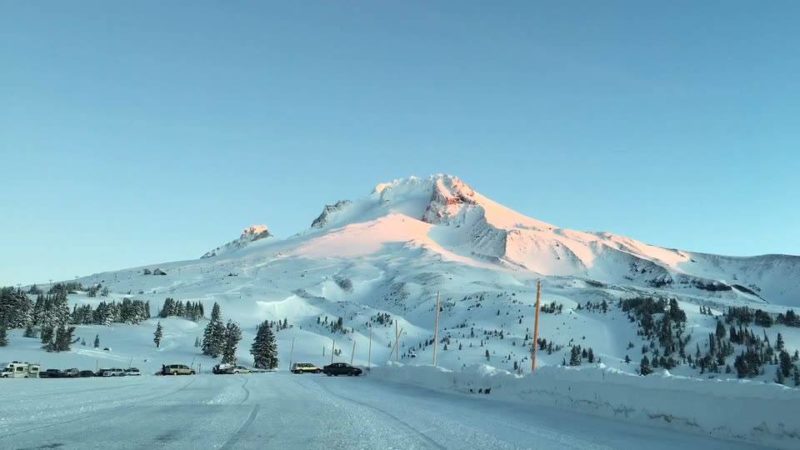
(139, 132)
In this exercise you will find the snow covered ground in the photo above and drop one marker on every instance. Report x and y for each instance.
(281, 410)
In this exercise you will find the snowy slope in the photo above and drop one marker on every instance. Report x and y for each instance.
(393, 250)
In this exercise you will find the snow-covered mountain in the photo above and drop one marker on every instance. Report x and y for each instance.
(442, 215)
(379, 261)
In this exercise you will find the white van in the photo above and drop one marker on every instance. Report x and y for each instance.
(18, 369)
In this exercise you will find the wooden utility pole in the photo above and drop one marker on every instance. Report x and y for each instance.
(436, 330)
(333, 349)
(369, 351)
(536, 325)
(353, 353)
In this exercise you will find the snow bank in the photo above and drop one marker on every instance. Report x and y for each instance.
(753, 411)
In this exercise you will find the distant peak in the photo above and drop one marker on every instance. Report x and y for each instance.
(249, 234)
(255, 232)
(421, 183)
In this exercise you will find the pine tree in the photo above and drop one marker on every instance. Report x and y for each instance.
(575, 356)
(3, 336)
(96, 341)
(779, 378)
(47, 334)
(63, 339)
(232, 336)
(644, 366)
(264, 348)
(157, 335)
(785, 362)
(214, 334)
(197, 342)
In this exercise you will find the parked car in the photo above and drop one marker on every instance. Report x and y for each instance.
(305, 368)
(241, 369)
(341, 369)
(176, 369)
(132, 372)
(71, 373)
(51, 373)
(86, 373)
(222, 369)
(111, 373)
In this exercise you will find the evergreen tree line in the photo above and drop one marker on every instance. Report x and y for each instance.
(106, 313)
(336, 326)
(221, 339)
(50, 313)
(68, 287)
(92, 291)
(589, 306)
(279, 324)
(384, 319)
(577, 354)
(745, 316)
(15, 308)
(663, 323)
(553, 308)
(190, 310)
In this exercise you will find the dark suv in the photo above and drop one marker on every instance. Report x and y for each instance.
(51, 373)
(341, 369)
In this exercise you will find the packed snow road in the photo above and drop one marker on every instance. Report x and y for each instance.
(280, 410)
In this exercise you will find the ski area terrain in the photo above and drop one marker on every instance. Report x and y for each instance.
(705, 327)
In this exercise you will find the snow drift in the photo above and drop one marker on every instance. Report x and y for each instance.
(764, 413)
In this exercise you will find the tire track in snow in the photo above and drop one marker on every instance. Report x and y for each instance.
(92, 414)
(82, 391)
(402, 422)
(246, 391)
(234, 439)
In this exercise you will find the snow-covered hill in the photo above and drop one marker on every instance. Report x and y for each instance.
(381, 260)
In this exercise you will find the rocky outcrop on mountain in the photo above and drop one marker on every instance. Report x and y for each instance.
(324, 218)
(250, 234)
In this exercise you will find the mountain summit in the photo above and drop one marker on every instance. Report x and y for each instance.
(442, 215)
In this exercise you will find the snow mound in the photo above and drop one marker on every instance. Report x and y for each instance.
(754, 411)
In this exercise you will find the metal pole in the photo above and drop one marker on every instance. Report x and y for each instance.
(536, 325)
(369, 352)
(353, 353)
(396, 341)
(436, 329)
(396, 344)
(291, 355)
